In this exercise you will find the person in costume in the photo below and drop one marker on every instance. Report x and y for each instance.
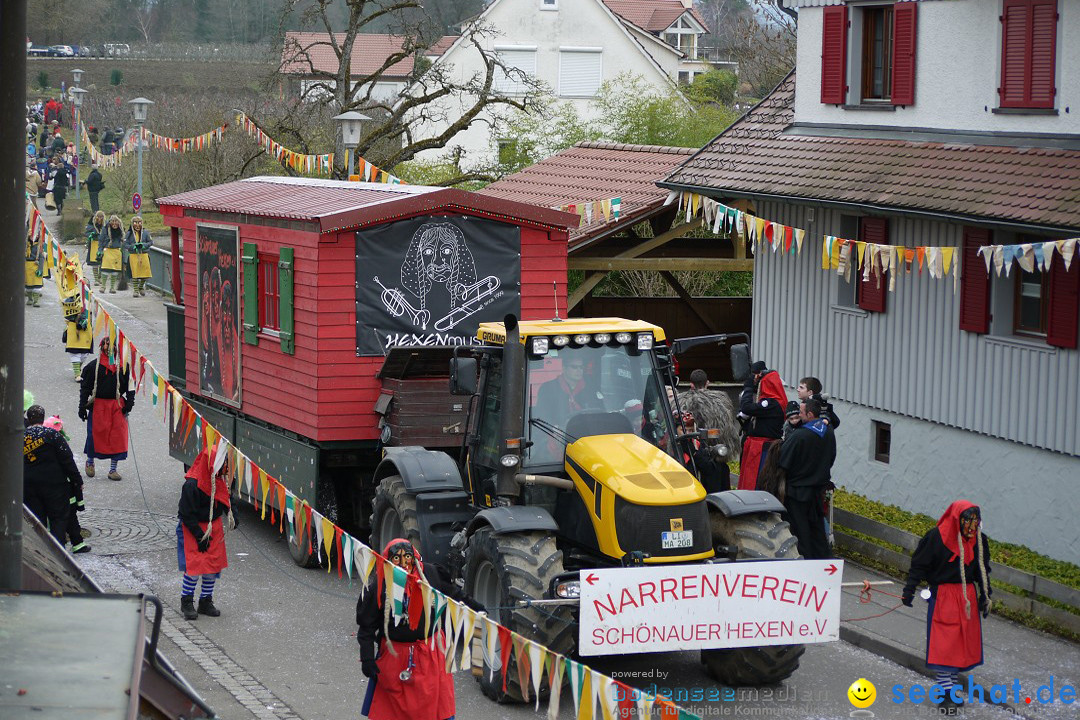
(78, 339)
(405, 669)
(76, 504)
(111, 253)
(137, 243)
(954, 559)
(200, 532)
(104, 403)
(94, 230)
(49, 471)
(35, 270)
(761, 408)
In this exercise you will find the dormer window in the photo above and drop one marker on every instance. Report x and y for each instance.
(683, 34)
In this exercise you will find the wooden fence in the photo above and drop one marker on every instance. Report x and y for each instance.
(1031, 586)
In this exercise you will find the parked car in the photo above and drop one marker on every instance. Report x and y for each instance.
(61, 51)
(37, 51)
(117, 49)
(91, 51)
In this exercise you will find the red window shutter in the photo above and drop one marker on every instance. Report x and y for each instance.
(1044, 17)
(1063, 314)
(834, 55)
(872, 291)
(974, 282)
(903, 61)
(1028, 53)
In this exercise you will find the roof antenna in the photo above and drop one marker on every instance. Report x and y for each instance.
(555, 292)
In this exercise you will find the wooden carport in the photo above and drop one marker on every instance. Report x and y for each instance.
(602, 171)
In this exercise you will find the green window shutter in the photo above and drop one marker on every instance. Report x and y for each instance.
(285, 300)
(250, 260)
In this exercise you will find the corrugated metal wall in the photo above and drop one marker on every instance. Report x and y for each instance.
(913, 359)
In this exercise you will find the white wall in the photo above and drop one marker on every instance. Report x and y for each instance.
(1028, 496)
(576, 23)
(958, 65)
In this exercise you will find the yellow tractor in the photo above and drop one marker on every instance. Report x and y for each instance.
(572, 457)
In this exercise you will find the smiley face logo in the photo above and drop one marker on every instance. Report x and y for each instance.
(862, 693)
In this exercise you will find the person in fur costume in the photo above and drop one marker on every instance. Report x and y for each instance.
(712, 410)
(954, 559)
(200, 532)
(406, 671)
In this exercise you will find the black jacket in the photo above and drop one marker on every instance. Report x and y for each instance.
(194, 507)
(369, 613)
(106, 386)
(47, 458)
(807, 458)
(766, 417)
(931, 562)
(94, 183)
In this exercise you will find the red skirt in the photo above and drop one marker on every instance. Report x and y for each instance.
(110, 427)
(212, 561)
(750, 462)
(953, 640)
(428, 695)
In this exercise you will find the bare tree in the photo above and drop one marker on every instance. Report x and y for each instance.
(392, 139)
(764, 46)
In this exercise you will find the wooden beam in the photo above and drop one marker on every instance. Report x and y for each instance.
(658, 264)
(593, 280)
(685, 296)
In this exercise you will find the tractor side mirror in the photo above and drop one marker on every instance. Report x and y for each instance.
(740, 362)
(463, 376)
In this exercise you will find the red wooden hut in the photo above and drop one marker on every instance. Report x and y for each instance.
(292, 288)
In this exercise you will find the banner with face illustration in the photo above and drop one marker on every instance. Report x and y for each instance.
(217, 251)
(432, 280)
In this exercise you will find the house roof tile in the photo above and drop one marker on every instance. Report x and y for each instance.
(760, 155)
(653, 16)
(595, 171)
(369, 53)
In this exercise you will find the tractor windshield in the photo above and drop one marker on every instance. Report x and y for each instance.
(592, 390)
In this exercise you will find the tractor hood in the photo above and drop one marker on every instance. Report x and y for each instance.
(633, 469)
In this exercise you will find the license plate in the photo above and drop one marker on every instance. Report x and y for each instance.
(680, 539)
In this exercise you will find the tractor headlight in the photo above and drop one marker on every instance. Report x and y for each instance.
(623, 338)
(644, 341)
(561, 340)
(539, 345)
(581, 339)
(602, 338)
(508, 460)
(568, 589)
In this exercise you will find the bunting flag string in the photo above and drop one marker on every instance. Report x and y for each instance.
(872, 259)
(307, 164)
(184, 145)
(368, 172)
(1029, 256)
(591, 210)
(106, 161)
(293, 515)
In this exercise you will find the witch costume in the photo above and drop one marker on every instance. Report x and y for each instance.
(200, 532)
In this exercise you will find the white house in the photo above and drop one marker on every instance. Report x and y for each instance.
(937, 128)
(306, 55)
(573, 46)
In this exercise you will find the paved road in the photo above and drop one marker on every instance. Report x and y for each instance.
(285, 646)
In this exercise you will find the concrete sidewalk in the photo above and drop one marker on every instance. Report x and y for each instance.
(1011, 652)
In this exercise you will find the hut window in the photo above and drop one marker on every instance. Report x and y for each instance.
(268, 292)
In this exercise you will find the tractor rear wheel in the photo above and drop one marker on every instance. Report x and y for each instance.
(502, 569)
(393, 515)
(762, 535)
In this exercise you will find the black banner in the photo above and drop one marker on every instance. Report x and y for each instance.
(433, 280)
(217, 252)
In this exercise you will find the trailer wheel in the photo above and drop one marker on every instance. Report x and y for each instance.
(502, 569)
(304, 557)
(762, 535)
(393, 515)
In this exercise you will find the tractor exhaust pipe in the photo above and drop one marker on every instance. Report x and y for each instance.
(513, 410)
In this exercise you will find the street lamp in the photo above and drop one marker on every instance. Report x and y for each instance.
(77, 74)
(350, 123)
(76, 94)
(139, 107)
